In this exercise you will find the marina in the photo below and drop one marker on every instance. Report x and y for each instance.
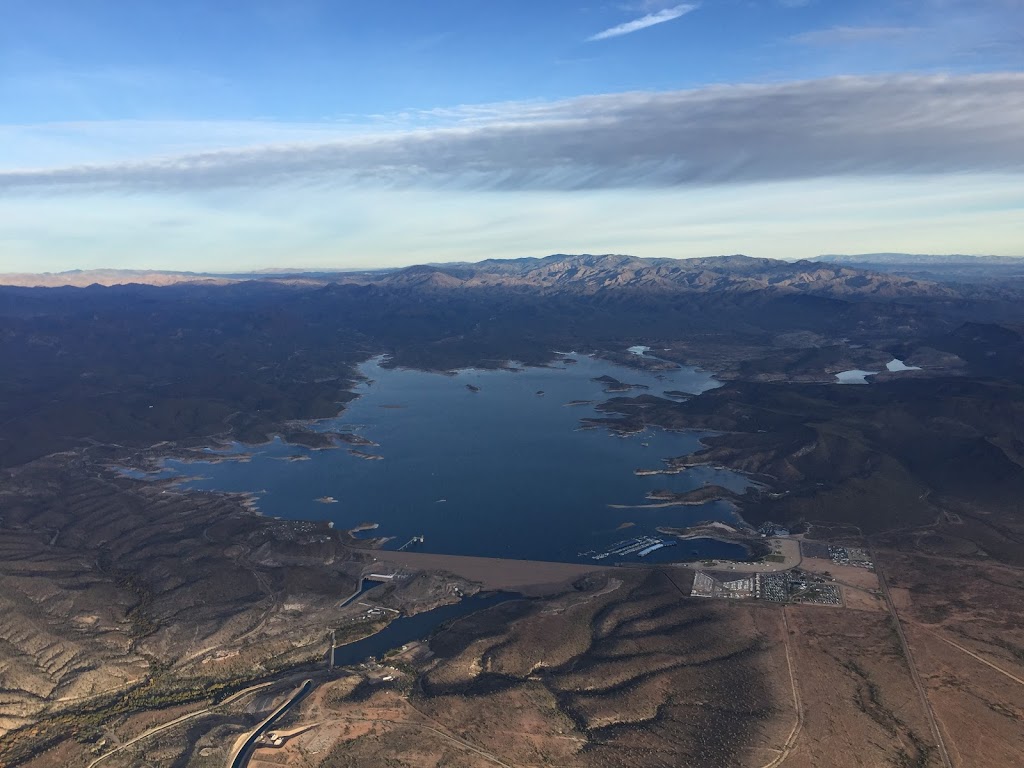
(641, 546)
(655, 547)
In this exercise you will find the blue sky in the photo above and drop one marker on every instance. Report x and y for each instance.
(312, 133)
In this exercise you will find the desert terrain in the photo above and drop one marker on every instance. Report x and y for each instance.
(627, 675)
(142, 624)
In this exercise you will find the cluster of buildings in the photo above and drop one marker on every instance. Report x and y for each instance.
(812, 585)
(795, 586)
(773, 587)
(707, 585)
(854, 556)
(373, 613)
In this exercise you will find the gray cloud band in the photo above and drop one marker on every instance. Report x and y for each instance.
(833, 127)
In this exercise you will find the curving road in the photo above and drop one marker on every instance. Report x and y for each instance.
(241, 754)
(177, 721)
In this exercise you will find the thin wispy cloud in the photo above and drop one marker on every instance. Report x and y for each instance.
(650, 20)
(830, 128)
(840, 35)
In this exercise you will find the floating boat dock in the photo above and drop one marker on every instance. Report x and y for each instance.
(640, 546)
(655, 548)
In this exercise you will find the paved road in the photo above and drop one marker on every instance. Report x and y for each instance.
(240, 757)
(177, 721)
(932, 722)
(969, 652)
(150, 732)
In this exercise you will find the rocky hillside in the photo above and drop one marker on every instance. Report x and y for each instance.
(724, 274)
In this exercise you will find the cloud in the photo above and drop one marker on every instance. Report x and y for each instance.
(843, 35)
(835, 127)
(279, 227)
(659, 17)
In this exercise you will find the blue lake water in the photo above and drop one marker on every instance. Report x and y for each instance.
(501, 472)
(855, 376)
(408, 628)
(896, 366)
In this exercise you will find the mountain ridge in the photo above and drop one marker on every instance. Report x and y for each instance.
(933, 259)
(594, 274)
(735, 274)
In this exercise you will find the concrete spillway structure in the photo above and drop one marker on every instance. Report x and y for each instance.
(240, 755)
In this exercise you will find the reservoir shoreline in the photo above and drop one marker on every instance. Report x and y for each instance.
(471, 438)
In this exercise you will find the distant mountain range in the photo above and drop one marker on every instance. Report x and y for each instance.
(591, 274)
(927, 259)
(560, 273)
(80, 278)
(957, 268)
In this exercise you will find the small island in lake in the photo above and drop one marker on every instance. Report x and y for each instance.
(611, 384)
(365, 455)
(691, 498)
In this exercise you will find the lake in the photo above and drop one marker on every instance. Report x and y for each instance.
(855, 376)
(861, 377)
(488, 463)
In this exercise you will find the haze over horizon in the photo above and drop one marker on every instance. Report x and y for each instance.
(314, 134)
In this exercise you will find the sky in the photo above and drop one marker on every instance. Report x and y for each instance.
(316, 134)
